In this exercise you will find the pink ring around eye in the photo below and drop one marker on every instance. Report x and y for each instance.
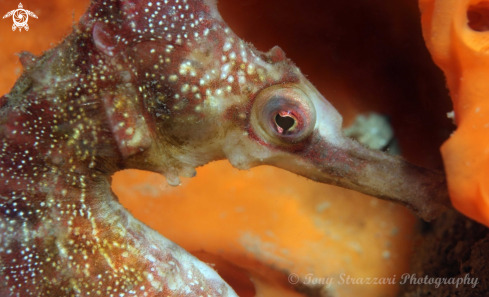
(283, 101)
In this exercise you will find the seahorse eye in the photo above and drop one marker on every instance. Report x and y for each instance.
(283, 115)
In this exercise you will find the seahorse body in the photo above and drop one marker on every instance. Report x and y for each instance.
(84, 110)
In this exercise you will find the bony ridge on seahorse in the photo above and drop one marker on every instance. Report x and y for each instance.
(164, 86)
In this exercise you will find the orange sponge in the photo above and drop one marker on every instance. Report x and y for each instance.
(457, 35)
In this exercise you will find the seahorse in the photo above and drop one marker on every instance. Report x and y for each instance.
(164, 86)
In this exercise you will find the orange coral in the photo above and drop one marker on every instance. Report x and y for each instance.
(271, 217)
(456, 35)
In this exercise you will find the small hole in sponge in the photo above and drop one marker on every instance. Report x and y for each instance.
(478, 16)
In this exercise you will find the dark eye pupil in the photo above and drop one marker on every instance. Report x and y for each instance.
(284, 122)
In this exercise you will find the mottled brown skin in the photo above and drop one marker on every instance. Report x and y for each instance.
(64, 233)
(165, 87)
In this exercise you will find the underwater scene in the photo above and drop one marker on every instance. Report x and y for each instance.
(244, 148)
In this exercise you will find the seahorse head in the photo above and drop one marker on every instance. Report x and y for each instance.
(201, 93)
(181, 89)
